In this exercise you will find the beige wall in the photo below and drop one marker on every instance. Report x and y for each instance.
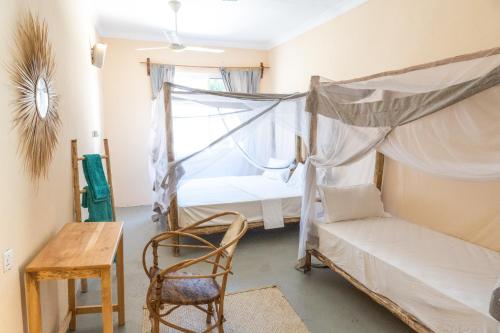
(382, 35)
(127, 105)
(31, 214)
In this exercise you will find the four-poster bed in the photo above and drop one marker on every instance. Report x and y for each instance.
(265, 201)
(432, 281)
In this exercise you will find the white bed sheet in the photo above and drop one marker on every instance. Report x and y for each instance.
(444, 281)
(201, 198)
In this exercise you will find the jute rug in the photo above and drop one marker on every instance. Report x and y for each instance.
(264, 310)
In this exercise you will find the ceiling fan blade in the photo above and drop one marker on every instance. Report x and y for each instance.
(153, 48)
(203, 49)
(172, 37)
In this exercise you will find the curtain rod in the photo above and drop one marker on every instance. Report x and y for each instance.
(148, 64)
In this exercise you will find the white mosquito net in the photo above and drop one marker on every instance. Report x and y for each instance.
(223, 134)
(442, 118)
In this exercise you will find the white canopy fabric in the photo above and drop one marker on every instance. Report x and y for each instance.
(442, 118)
(226, 134)
(157, 140)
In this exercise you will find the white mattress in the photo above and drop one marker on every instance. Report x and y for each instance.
(201, 198)
(444, 281)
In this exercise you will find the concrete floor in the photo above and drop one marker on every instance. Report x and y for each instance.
(323, 299)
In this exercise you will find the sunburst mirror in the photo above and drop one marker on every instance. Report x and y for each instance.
(35, 105)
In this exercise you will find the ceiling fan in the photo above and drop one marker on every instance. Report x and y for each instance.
(175, 43)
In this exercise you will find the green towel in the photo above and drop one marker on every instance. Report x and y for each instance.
(94, 174)
(96, 197)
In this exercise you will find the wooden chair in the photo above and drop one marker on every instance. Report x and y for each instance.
(174, 287)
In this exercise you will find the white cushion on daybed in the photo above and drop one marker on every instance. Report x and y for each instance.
(444, 281)
(352, 202)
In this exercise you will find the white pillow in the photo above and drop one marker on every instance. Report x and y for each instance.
(297, 177)
(350, 203)
(277, 174)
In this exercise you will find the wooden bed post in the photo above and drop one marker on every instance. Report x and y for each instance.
(379, 170)
(298, 139)
(298, 149)
(313, 135)
(173, 222)
(313, 148)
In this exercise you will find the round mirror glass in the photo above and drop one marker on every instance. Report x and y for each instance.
(42, 97)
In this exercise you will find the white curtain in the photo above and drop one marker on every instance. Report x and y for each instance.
(241, 80)
(159, 74)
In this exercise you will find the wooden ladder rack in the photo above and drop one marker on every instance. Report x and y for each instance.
(77, 190)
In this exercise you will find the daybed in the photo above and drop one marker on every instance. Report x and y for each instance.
(444, 284)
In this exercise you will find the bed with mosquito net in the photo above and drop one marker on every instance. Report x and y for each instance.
(441, 118)
(227, 152)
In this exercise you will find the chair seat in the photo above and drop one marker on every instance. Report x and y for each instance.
(189, 291)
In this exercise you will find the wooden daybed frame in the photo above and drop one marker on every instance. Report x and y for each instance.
(173, 213)
(394, 308)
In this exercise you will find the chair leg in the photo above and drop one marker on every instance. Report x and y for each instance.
(156, 326)
(156, 322)
(221, 327)
(210, 312)
(220, 317)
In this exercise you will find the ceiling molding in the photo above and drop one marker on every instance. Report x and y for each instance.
(189, 40)
(134, 31)
(342, 8)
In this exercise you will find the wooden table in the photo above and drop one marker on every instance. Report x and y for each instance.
(79, 250)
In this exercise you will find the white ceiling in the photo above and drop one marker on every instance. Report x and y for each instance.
(259, 24)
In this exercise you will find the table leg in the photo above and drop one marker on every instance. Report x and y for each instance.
(120, 277)
(72, 304)
(33, 303)
(107, 304)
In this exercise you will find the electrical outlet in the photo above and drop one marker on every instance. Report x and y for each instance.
(8, 260)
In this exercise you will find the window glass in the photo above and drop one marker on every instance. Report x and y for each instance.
(193, 131)
(200, 78)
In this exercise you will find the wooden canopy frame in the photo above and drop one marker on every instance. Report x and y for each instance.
(173, 213)
(394, 308)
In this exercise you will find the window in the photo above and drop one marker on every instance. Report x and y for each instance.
(193, 129)
(216, 84)
(200, 78)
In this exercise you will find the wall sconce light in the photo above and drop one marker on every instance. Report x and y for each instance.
(98, 53)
